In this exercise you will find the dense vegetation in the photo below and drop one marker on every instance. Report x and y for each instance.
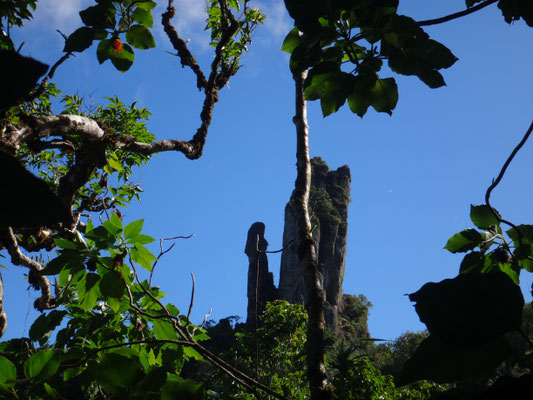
(106, 333)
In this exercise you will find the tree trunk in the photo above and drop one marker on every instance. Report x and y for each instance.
(314, 295)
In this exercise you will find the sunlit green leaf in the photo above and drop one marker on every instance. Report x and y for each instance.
(88, 291)
(133, 229)
(8, 372)
(142, 256)
(140, 37)
(463, 241)
(122, 59)
(42, 364)
(482, 216)
(143, 17)
(292, 40)
(146, 5)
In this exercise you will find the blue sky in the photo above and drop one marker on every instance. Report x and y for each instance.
(414, 175)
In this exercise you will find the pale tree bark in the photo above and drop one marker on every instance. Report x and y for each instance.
(314, 295)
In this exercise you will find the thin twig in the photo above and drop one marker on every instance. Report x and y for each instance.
(427, 22)
(192, 300)
(280, 250)
(496, 181)
(162, 252)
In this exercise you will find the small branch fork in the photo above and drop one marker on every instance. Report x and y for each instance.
(496, 181)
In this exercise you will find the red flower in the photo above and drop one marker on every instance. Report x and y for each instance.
(116, 44)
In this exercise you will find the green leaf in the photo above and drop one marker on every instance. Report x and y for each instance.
(103, 51)
(482, 216)
(43, 326)
(146, 5)
(88, 291)
(116, 373)
(67, 244)
(122, 59)
(334, 92)
(292, 40)
(133, 229)
(141, 239)
(99, 16)
(443, 362)
(42, 364)
(67, 259)
(140, 37)
(384, 95)
(79, 40)
(525, 230)
(163, 330)
(8, 372)
(473, 262)
(112, 286)
(113, 225)
(189, 352)
(142, 256)
(113, 161)
(463, 241)
(182, 390)
(143, 17)
(51, 392)
(234, 4)
(470, 308)
(153, 381)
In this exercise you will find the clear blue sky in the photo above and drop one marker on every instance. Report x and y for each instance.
(414, 175)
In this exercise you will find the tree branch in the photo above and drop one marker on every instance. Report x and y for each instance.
(496, 181)
(18, 258)
(313, 295)
(427, 22)
(187, 59)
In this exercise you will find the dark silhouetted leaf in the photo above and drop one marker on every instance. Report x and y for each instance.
(442, 362)
(182, 390)
(18, 76)
(79, 40)
(27, 201)
(473, 262)
(471, 308)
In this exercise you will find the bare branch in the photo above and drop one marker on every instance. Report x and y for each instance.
(9, 240)
(314, 295)
(187, 59)
(496, 181)
(192, 299)
(427, 22)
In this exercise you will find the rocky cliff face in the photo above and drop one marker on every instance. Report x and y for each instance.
(328, 205)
